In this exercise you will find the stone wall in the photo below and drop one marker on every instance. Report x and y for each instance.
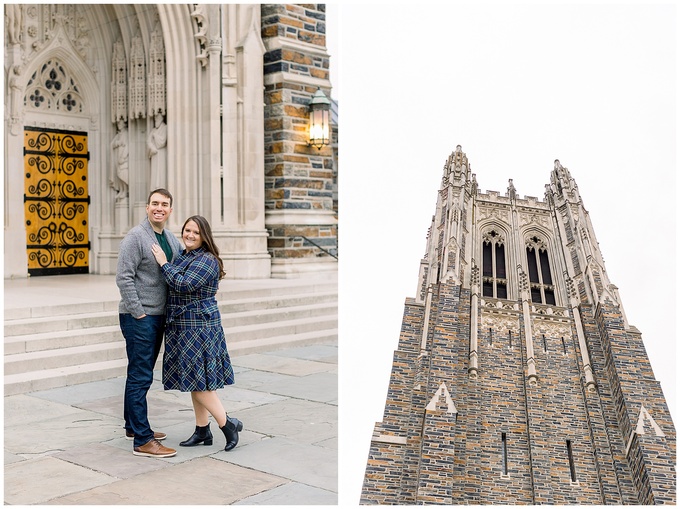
(299, 180)
(645, 422)
(506, 442)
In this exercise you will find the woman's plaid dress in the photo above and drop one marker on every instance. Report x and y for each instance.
(196, 357)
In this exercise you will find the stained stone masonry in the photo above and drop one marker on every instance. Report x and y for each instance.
(299, 179)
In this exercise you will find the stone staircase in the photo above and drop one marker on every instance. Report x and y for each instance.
(60, 345)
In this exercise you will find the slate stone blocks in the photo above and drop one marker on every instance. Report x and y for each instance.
(299, 178)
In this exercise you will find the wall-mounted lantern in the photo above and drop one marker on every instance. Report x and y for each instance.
(319, 120)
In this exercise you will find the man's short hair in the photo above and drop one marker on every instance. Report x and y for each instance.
(162, 191)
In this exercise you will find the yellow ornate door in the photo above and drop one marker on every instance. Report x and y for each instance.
(56, 201)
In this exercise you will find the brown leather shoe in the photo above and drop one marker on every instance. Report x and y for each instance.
(154, 449)
(158, 435)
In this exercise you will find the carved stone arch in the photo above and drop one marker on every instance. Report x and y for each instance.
(540, 232)
(147, 17)
(129, 19)
(53, 45)
(64, 56)
(501, 228)
(61, 49)
(52, 89)
(487, 224)
(548, 241)
(504, 232)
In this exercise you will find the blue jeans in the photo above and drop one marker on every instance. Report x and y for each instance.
(143, 338)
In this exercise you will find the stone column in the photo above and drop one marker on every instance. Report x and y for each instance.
(239, 188)
(528, 334)
(298, 177)
(474, 302)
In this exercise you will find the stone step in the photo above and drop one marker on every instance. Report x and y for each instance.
(70, 355)
(88, 319)
(59, 323)
(61, 339)
(12, 314)
(254, 295)
(272, 343)
(63, 357)
(61, 377)
(251, 304)
(291, 288)
(236, 319)
(287, 327)
(49, 346)
(44, 379)
(53, 340)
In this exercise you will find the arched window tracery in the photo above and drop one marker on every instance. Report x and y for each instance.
(494, 275)
(540, 277)
(52, 89)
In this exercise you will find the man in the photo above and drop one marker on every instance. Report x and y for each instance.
(142, 317)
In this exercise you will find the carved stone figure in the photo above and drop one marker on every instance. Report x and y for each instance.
(16, 98)
(120, 174)
(14, 21)
(156, 150)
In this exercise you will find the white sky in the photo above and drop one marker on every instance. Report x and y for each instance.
(517, 86)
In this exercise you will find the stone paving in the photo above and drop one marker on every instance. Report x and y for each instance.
(67, 446)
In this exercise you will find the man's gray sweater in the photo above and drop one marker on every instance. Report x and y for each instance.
(140, 281)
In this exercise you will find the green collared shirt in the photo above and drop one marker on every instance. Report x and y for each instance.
(163, 242)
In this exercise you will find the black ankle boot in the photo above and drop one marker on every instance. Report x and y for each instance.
(201, 434)
(230, 430)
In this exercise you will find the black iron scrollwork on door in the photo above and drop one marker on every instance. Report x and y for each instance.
(56, 201)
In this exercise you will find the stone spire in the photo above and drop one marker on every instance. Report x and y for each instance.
(457, 169)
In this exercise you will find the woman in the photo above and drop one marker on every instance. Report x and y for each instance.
(196, 357)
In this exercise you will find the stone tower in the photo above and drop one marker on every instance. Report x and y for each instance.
(517, 378)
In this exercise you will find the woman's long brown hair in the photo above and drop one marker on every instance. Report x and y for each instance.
(207, 238)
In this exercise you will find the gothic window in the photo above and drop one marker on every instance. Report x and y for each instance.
(52, 89)
(494, 279)
(540, 278)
